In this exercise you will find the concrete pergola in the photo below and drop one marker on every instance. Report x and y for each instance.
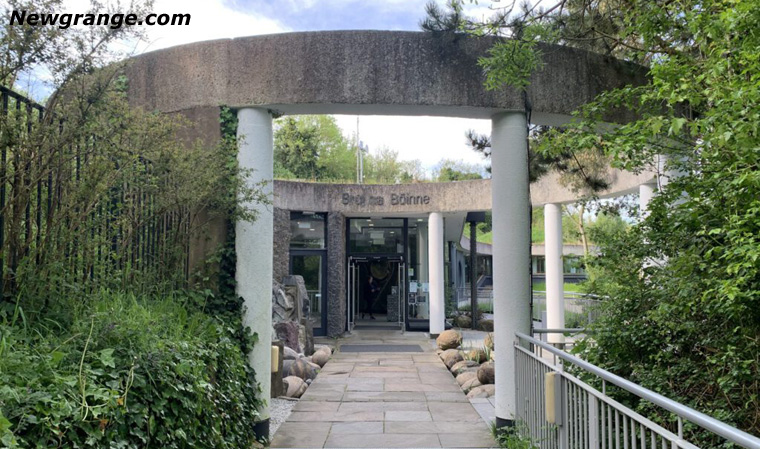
(381, 73)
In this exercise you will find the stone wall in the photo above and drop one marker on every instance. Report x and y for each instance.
(336, 274)
(281, 256)
(461, 196)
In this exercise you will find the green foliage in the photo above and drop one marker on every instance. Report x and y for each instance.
(568, 287)
(383, 167)
(449, 293)
(513, 437)
(127, 201)
(450, 170)
(482, 307)
(682, 318)
(511, 63)
(296, 149)
(682, 315)
(125, 372)
(606, 224)
(312, 147)
(98, 348)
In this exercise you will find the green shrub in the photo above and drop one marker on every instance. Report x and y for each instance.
(126, 373)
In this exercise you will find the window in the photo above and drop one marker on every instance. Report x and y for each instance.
(307, 230)
(376, 236)
(540, 264)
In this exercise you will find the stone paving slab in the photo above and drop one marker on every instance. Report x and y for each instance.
(405, 416)
(382, 406)
(300, 434)
(327, 417)
(361, 428)
(445, 396)
(472, 439)
(385, 400)
(385, 440)
(436, 427)
(304, 406)
(398, 396)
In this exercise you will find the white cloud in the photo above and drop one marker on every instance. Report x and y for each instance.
(211, 19)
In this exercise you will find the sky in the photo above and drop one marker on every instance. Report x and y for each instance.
(428, 139)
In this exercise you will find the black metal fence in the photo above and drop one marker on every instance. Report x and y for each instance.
(71, 210)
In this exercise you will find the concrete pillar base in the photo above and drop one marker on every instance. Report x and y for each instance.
(261, 430)
(504, 424)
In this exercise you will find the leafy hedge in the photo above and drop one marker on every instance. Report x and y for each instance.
(126, 373)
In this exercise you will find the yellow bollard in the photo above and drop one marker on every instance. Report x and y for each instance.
(552, 391)
(275, 358)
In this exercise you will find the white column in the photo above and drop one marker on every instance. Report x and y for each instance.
(555, 307)
(435, 262)
(511, 250)
(254, 245)
(646, 193)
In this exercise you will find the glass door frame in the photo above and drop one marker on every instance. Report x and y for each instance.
(354, 257)
(421, 324)
(354, 285)
(322, 330)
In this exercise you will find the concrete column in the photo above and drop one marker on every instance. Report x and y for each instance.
(435, 260)
(646, 193)
(555, 307)
(511, 250)
(254, 248)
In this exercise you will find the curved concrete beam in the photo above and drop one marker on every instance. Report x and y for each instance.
(384, 199)
(366, 72)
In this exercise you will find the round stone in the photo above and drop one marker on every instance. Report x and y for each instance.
(449, 339)
(486, 373)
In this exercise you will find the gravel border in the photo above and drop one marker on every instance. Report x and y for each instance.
(279, 410)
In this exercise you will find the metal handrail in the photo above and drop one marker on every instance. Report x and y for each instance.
(576, 295)
(730, 433)
(574, 330)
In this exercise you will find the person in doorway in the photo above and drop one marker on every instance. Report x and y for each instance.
(370, 295)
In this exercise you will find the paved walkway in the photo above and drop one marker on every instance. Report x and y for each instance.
(384, 400)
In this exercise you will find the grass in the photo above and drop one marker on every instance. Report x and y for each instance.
(568, 287)
(483, 307)
(512, 437)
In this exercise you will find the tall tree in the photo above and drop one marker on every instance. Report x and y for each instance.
(383, 167)
(312, 147)
(450, 170)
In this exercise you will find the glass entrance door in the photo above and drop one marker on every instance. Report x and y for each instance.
(418, 292)
(312, 266)
(376, 292)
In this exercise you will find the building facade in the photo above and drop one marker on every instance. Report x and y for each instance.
(338, 235)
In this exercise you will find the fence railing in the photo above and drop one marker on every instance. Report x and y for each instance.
(485, 299)
(580, 309)
(557, 410)
(64, 199)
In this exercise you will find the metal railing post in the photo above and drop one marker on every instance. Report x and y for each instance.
(593, 423)
(564, 427)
